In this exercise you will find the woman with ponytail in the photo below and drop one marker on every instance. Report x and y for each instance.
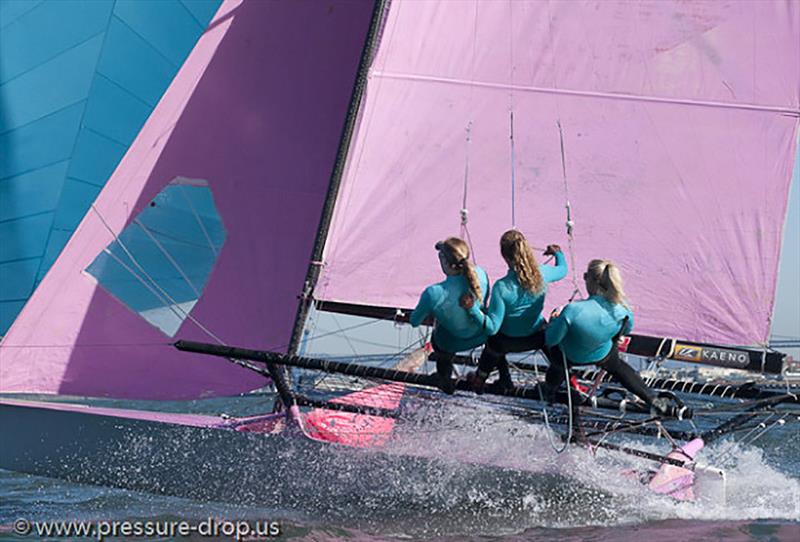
(586, 332)
(514, 319)
(453, 330)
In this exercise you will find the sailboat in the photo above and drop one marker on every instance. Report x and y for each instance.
(284, 171)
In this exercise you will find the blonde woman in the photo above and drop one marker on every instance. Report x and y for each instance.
(454, 330)
(586, 332)
(514, 319)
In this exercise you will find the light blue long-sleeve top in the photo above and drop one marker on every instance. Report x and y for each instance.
(585, 329)
(455, 330)
(513, 310)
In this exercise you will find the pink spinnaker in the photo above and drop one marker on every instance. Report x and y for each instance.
(257, 111)
(680, 123)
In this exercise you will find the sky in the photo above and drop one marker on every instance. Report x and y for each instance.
(786, 317)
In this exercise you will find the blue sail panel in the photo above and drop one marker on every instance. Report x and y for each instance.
(51, 86)
(76, 21)
(78, 80)
(95, 158)
(31, 193)
(144, 68)
(43, 143)
(170, 41)
(111, 101)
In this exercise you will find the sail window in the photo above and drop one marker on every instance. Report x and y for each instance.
(160, 263)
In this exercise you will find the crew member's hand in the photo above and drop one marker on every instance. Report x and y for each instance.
(467, 301)
(551, 250)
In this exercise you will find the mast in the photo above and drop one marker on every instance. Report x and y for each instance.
(315, 264)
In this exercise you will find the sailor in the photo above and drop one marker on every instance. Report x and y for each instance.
(586, 332)
(514, 319)
(454, 330)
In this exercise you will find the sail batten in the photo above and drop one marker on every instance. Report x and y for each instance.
(794, 111)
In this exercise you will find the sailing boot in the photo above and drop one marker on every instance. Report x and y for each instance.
(477, 380)
(504, 381)
(444, 370)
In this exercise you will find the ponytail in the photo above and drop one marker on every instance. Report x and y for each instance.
(456, 252)
(519, 256)
(604, 278)
(468, 270)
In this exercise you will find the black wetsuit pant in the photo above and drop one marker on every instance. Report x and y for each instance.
(494, 353)
(444, 367)
(612, 364)
(444, 360)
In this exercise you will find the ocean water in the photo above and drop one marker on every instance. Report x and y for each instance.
(574, 495)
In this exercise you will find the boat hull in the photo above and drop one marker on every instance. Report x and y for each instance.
(217, 462)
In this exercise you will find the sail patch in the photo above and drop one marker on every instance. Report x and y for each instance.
(160, 263)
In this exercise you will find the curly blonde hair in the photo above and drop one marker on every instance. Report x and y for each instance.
(519, 256)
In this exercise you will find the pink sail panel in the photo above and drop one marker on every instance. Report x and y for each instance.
(257, 112)
(680, 124)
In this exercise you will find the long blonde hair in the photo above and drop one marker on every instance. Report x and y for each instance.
(603, 278)
(456, 252)
(519, 256)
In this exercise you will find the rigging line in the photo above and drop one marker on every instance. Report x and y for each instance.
(173, 302)
(171, 306)
(511, 117)
(327, 334)
(569, 224)
(168, 256)
(544, 409)
(346, 338)
(386, 345)
(729, 450)
(337, 332)
(405, 350)
(779, 421)
(513, 174)
(199, 220)
(175, 238)
(464, 213)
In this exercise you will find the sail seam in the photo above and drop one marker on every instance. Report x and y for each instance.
(192, 16)
(589, 94)
(40, 272)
